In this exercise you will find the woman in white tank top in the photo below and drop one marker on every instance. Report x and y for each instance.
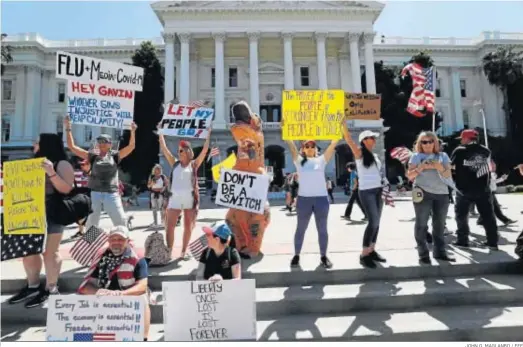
(371, 180)
(183, 190)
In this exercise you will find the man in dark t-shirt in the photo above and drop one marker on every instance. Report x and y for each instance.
(471, 161)
(220, 260)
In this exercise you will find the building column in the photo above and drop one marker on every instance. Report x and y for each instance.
(33, 102)
(254, 83)
(168, 91)
(370, 77)
(185, 85)
(354, 39)
(288, 61)
(345, 72)
(322, 60)
(18, 119)
(220, 122)
(456, 100)
(41, 124)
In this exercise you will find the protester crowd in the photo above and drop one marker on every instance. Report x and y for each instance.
(117, 270)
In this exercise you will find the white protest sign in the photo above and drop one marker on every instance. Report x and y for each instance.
(100, 105)
(242, 190)
(209, 311)
(91, 70)
(186, 121)
(95, 318)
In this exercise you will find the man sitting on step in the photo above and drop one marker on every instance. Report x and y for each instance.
(117, 270)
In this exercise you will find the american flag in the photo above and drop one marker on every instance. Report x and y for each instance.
(198, 103)
(81, 179)
(402, 154)
(214, 152)
(198, 246)
(89, 337)
(85, 249)
(387, 196)
(423, 89)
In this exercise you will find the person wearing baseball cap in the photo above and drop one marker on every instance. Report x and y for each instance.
(220, 260)
(371, 182)
(312, 195)
(471, 163)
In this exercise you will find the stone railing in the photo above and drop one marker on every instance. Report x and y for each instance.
(35, 37)
(443, 41)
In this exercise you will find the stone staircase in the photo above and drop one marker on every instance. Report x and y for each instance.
(477, 299)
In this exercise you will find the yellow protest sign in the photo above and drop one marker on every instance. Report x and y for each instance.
(226, 164)
(312, 114)
(24, 197)
(362, 106)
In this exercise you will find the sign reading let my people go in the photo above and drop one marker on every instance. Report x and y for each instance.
(186, 121)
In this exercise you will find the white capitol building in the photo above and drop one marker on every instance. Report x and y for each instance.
(241, 50)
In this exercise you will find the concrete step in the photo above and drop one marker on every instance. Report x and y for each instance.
(275, 271)
(399, 296)
(492, 323)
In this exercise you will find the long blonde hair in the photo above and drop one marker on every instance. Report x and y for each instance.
(418, 148)
(156, 166)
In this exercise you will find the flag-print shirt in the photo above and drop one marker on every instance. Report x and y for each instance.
(471, 168)
(141, 271)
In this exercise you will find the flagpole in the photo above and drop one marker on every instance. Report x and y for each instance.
(434, 121)
(480, 104)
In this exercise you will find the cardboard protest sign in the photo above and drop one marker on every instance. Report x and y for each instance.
(95, 318)
(186, 121)
(362, 106)
(217, 169)
(91, 70)
(242, 190)
(209, 311)
(100, 105)
(24, 200)
(312, 114)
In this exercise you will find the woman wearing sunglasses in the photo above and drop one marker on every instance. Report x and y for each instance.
(371, 181)
(429, 167)
(103, 180)
(312, 196)
(183, 190)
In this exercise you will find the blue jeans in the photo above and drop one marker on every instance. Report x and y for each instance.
(436, 205)
(372, 205)
(305, 207)
(110, 203)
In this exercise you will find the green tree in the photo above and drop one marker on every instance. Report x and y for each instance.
(147, 114)
(6, 54)
(504, 69)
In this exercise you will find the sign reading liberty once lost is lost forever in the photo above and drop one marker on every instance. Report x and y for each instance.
(91, 70)
(312, 114)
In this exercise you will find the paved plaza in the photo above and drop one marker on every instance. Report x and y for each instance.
(396, 243)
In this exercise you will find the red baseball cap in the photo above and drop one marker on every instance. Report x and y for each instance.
(469, 134)
(185, 144)
(306, 142)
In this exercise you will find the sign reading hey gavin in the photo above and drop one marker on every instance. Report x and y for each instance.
(242, 190)
(186, 121)
(95, 318)
(362, 106)
(100, 105)
(24, 199)
(209, 311)
(312, 114)
(90, 70)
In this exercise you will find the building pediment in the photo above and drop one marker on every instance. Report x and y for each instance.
(265, 5)
(271, 68)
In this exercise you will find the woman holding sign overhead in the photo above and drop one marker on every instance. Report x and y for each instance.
(312, 195)
(103, 180)
(184, 194)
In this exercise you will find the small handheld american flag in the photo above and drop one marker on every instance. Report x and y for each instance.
(423, 89)
(198, 246)
(214, 152)
(197, 103)
(85, 249)
(402, 154)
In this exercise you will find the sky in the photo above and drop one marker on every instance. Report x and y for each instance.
(64, 20)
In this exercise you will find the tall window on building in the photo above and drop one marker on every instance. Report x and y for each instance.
(438, 88)
(305, 76)
(88, 134)
(213, 77)
(466, 119)
(6, 128)
(60, 125)
(463, 88)
(7, 90)
(233, 77)
(61, 92)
